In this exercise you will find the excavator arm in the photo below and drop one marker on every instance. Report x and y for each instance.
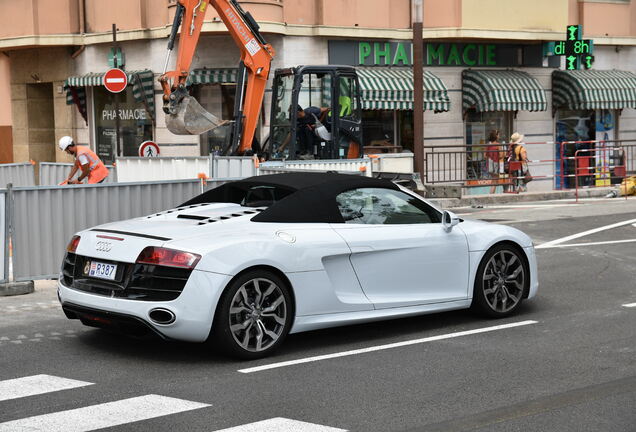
(184, 115)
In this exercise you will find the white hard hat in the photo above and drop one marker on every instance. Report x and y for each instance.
(65, 141)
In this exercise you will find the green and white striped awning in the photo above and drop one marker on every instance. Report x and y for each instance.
(392, 89)
(142, 83)
(594, 89)
(502, 90)
(212, 76)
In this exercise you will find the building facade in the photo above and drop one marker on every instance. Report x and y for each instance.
(489, 65)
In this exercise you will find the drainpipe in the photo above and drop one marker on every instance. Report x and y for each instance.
(418, 87)
(81, 6)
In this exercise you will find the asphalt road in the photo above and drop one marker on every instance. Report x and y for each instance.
(569, 366)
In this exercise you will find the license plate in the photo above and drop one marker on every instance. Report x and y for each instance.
(101, 270)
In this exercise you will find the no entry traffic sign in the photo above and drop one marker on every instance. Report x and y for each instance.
(148, 149)
(115, 80)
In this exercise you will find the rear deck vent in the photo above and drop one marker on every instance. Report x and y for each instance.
(193, 217)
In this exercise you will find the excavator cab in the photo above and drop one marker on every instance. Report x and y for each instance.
(316, 113)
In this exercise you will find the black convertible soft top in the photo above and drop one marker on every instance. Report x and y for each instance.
(297, 197)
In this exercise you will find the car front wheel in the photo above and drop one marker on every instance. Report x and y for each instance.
(254, 315)
(501, 282)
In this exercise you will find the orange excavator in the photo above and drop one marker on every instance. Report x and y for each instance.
(338, 134)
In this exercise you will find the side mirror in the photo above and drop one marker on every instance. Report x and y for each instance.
(449, 220)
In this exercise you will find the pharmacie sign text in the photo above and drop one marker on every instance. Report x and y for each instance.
(400, 53)
(124, 114)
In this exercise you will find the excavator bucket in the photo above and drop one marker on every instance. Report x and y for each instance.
(191, 118)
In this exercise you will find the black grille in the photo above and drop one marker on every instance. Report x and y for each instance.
(132, 281)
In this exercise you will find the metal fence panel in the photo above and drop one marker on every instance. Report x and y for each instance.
(138, 169)
(4, 238)
(53, 173)
(339, 165)
(45, 217)
(267, 170)
(232, 167)
(19, 174)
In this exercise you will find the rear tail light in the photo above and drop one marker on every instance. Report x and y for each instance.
(72, 246)
(168, 257)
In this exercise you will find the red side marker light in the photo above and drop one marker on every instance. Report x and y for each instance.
(72, 246)
(168, 257)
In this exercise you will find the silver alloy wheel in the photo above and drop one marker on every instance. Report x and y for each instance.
(258, 313)
(504, 281)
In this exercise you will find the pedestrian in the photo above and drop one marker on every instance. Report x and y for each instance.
(518, 157)
(86, 161)
(494, 158)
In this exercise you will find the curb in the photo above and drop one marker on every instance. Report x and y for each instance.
(480, 200)
(16, 288)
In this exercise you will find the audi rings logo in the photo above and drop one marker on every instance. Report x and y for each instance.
(103, 246)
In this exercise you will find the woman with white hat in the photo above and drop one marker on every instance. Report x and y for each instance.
(518, 153)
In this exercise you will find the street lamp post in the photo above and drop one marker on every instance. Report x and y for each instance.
(418, 87)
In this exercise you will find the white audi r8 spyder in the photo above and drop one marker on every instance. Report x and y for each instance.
(246, 263)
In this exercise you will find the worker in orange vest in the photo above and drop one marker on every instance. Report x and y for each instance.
(85, 160)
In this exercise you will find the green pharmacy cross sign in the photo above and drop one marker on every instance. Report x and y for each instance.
(577, 51)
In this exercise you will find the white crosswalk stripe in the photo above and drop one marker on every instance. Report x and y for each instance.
(120, 412)
(102, 415)
(35, 385)
(282, 425)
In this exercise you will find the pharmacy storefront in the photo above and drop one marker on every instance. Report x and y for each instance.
(133, 109)
(484, 105)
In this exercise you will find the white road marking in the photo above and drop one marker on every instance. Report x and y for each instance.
(630, 305)
(584, 233)
(103, 415)
(634, 225)
(588, 244)
(280, 424)
(530, 206)
(35, 385)
(385, 347)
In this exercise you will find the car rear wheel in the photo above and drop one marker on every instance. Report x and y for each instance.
(254, 315)
(501, 282)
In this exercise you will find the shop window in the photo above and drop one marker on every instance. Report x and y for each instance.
(378, 128)
(478, 128)
(135, 124)
(217, 99)
(405, 130)
(597, 161)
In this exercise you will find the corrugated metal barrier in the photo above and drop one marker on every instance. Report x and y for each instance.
(339, 165)
(44, 218)
(52, 173)
(19, 174)
(138, 169)
(4, 238)
(232, 167)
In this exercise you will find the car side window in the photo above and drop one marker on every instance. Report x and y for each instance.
(384, 207)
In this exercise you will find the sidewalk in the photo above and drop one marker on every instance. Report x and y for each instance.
(478, 200)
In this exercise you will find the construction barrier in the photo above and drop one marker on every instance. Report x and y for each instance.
(338, 165)
(482, 166)
(232, 167)
(141, 169)
(43, 218)
(4, 238)
(53, 173)
(19, 174)
(590, 164)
